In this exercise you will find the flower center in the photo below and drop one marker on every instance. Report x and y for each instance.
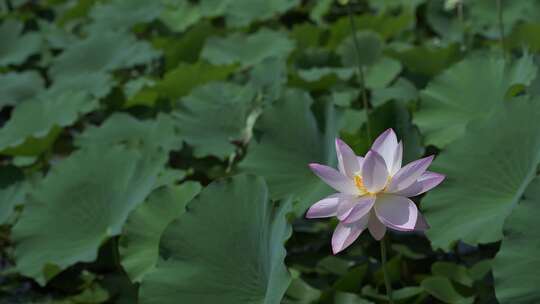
(362, 188)
(360, 184)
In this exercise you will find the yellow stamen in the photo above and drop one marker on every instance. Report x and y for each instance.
(360, 184)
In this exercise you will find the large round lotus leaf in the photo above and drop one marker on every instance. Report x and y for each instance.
(486, 174)
(467, 91)
(140, 237)
(83, 201)
(181, 80)
(103, 52)
(226, 248)
(515, 267)
(370, 44)
(17, 47)
(182, 14)
(85, 65)
(123, 14)
(441, 288)
(484, 19)
(12, 191)
(123, 128)
(214, 116)
(247, 50)
(290, 140)
(46, 113)
(243, 12)
(17, 87)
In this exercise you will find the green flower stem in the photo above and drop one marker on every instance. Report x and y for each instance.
(387, 282)
(365, 102)
(501, 27)
(461, 19)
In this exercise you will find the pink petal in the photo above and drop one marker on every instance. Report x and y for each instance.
(374, 172)
(407, 175)
(396, 212)
(376, 228)
(346, 234)
(334, 178)
(347, 162)
(421, 223)
(360, 161)
(345, 205)
(426, 182)
(398, 158)
(326, 207)
(386, 145)
(361, 208)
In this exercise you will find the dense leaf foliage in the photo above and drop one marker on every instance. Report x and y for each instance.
(157, 151)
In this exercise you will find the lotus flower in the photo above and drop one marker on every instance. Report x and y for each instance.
(373, 190)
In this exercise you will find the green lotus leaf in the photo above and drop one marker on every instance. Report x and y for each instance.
(16, 47)
(247, 50)
(13, 191)
(388, 5)
(486, 172)
(401, 90)
(243, 12)
(18, 137)
(215, 116)
(17, 87)
(484, 19)
(269, 78)
(179, 16)
(370, 44)
(317, 73)
(290, 140)
(452, 271)
(515, 268)
(85, 64)
(388, 25)
(106, 52)
(82, 201)
(128, 130)
(382, 72)
(428, 59)
(226, 248)
(463, 93)
(185, 77)
(182, 14)
(139, 244)
(442, 289)
(123, 14)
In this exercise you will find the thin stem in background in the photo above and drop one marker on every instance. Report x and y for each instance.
(501, 27)
(461, 19)
(365, 102)
(387, 282)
